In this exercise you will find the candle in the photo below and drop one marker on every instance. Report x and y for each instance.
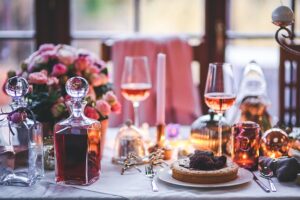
(161, 88)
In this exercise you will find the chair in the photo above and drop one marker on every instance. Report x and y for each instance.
(106, 54)
(289, 88)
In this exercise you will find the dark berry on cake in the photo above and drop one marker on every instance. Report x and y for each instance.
(205, 160)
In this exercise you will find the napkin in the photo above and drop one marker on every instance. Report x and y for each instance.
(285, 168)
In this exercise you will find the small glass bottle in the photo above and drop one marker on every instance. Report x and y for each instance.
(21, 139)
(77, 140)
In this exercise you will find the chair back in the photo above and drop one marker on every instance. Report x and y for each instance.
(289, 87)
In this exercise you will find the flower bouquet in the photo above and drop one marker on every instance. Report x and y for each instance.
(47, 71)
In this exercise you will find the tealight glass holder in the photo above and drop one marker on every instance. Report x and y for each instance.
(245, 144)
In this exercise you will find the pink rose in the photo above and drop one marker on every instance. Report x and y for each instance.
(59, 69)
(38, 78)
(101, 64)
(49, 54)
(110, 97)
(39, 59)
(103, 107)
(91, 112)
(82, 63)
(66, 55)
(46, 47)
(58, 109)
(52, 81)
(116, 107)
(94, 69)
(44, 72)
(17, 117)
(98, 79)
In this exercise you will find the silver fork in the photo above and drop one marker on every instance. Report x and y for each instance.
(151, 174)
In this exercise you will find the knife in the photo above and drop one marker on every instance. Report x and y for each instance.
(263, 186)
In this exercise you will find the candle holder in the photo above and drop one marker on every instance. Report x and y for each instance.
(245, 148)
(283, 16)
(160, 134)
(160, 142)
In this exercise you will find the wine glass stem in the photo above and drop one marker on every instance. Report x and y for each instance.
(136, 105)
(220, 134)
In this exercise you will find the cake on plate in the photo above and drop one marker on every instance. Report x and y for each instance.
(204, 168)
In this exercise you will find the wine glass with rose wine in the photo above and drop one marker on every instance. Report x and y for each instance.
(136, 83)
(220, 93)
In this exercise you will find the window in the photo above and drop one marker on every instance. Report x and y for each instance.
(101, 19)
(16, 32)
(16, 36)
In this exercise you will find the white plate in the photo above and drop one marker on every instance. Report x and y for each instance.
(244, 176)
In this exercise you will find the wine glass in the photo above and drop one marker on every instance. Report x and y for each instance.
(220, 93)
(136, 83)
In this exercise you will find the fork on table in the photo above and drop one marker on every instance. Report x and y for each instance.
(149, 172)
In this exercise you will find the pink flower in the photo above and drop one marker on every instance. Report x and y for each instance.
(110, 97)
(100, 63)
(116, 107)
(91, 112)
(98, 79)
(52, 81)
(103, 107)
(94, 69)
(39, 59)
(66, 55)
(82, 63)
(38, 78)
(17, 117)
(49, 55)
(46, 47)
(58, 109)
(59, 69)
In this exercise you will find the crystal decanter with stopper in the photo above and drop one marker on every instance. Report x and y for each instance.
(77, 140)
(21, 139)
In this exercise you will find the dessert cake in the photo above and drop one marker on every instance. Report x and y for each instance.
(204, 168)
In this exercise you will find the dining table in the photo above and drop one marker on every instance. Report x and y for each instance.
(135, 185)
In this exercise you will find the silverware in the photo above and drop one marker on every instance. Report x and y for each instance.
(151, 174)
(267, 173)
(265, 188)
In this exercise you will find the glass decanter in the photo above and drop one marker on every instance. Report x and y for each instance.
(77, 140)
(21, 139)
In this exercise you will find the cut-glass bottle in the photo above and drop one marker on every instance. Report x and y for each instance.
(77, 140)
(21, 139)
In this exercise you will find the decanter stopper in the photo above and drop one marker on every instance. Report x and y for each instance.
(16, 87)
(77, 87)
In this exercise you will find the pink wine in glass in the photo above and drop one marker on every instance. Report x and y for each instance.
(219, 101)
(136, 91)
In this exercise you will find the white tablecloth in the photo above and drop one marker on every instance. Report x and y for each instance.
(134, 185)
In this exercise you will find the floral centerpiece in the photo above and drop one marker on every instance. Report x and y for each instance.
(47, 71)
